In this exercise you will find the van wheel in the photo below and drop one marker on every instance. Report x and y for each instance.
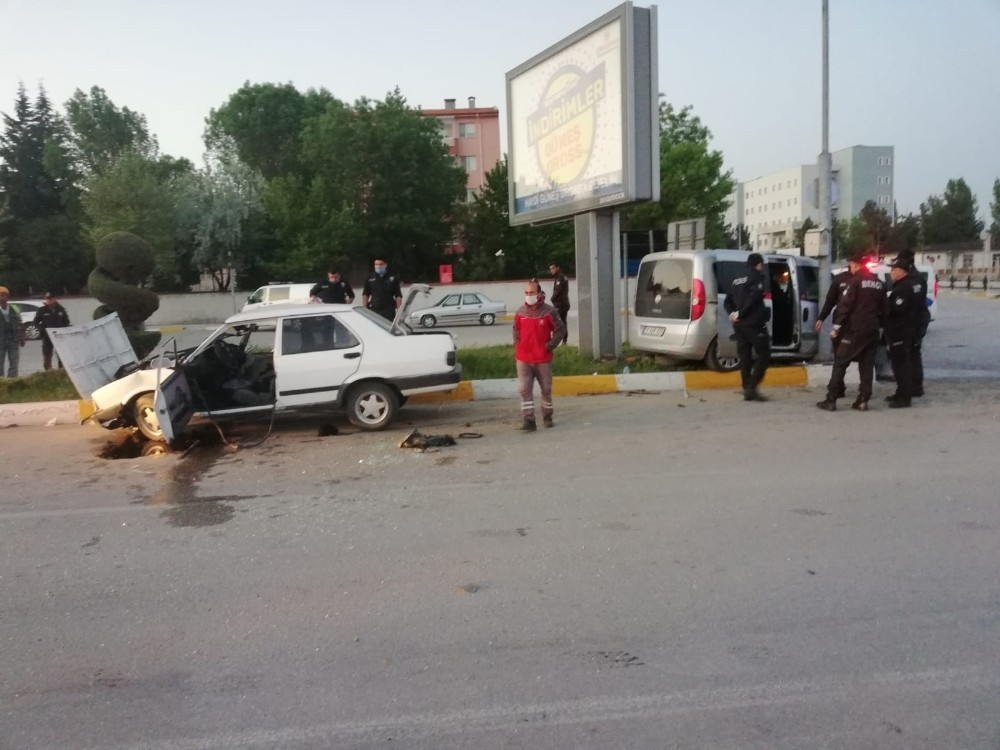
(717, 363)
(144, 416)
(372, 406)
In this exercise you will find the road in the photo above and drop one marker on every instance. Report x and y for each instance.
(657, 571)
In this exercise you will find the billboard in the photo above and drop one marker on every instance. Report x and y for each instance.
(582, 120)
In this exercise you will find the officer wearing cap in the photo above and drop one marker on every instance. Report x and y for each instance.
(901, 330)
(749, 314)
(856, 322)
(50, 315)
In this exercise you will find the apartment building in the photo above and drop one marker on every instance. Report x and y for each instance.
(472, 135)
(773, 207)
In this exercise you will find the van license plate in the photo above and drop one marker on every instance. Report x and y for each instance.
(652, 331)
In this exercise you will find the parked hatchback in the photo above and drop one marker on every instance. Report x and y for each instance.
(279, 358)
(679, 308)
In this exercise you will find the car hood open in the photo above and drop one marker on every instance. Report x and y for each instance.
(93, 353)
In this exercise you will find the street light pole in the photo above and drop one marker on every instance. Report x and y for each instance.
(825, 207)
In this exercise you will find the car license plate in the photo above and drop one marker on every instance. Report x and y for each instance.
(652, 331)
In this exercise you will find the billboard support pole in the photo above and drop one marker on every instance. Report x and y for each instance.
(599, 297)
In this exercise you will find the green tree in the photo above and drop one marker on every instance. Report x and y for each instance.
(216, 205)
(849, 235)
(140, 194)
(380, 183)
(100, 132)
(493, 249)
(738, 237)
(692, 180)
(40, 200)
(267, 121)
(878, 227)
(951, 217)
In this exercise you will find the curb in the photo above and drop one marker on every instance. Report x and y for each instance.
(799, 376)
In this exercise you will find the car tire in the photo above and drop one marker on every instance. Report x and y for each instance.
(372, 406)
(144, 416)
(487, 319)
(32, 332)
(717, 363)
(428, 321)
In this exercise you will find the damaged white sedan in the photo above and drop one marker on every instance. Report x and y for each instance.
(307, 357)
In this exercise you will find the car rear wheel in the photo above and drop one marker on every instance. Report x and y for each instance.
(717, 363)
(32, 332)
(372, 406)
(144, 416)
(487, 319)
(428, 321)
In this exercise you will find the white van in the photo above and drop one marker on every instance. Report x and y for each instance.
(274, 294)
(679, 305)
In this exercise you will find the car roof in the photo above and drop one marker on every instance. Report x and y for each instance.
(286, 308)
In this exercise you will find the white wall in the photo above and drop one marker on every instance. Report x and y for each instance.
(214, 307)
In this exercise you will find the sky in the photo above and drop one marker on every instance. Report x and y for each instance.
(920, 75)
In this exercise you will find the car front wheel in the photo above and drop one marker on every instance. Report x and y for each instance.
(487, 319)
(428, 321)
(32, 332)
(372, 406)
(717, 363)
(144, 416)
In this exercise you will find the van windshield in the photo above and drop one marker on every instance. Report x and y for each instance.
(663, 289)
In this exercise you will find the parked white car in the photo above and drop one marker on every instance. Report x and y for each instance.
(281, 357)
(28, 308)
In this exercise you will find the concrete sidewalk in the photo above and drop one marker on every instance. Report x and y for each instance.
(802, 376)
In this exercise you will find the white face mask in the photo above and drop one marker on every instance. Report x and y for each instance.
(531, 299)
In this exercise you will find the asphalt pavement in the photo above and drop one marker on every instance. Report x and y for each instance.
(671, 570)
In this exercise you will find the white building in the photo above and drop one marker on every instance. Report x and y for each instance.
(773, 207)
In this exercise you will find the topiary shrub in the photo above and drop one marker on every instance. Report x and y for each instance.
(125, 260)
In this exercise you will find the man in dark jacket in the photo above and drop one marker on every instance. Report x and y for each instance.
(856, 322)
(901, 330)
(560, 296)
(837, 286)
(749, 314)
(50, 315)
(382, 292)
(923, 313)
(332, 291)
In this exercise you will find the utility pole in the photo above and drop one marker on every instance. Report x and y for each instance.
(825, 207)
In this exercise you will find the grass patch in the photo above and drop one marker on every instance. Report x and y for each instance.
(496, 362)
(50, 385)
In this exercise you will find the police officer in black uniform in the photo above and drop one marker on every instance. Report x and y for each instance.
(746, 308)
(50, 315)
(837, 286)
(560, 296)
(901, 330)
(332, 291)
(923, 320)
(856, 322)
(382, 293)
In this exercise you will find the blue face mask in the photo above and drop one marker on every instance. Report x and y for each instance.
(380, 270)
